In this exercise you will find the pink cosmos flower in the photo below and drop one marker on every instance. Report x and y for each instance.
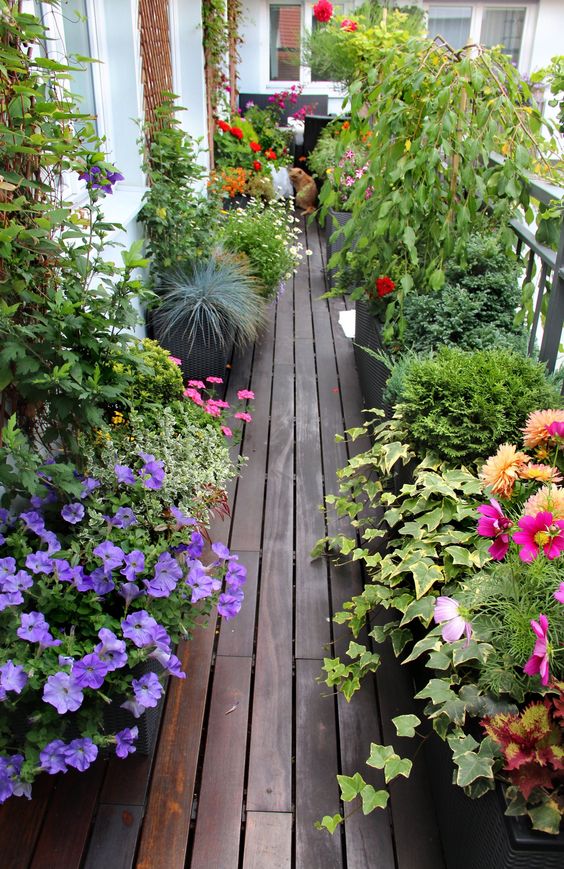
(246, 417)
(244, 394)
(540, 532)
(447, 610)
(556, 429)
(194, 395)
(538, 662)
(349, 25)
(197, 384)
(212, 379)
(175, 359)
(559, 593)
(493, 523)
(226, 431)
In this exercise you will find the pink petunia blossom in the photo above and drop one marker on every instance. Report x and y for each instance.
(556, 429)
(226, 431)
(245, 394)
(559, 593)
(540, 532)
(212, 379)
(493, 523)
(246, 417)
(175, 360)
(539, 662)
(447, 610)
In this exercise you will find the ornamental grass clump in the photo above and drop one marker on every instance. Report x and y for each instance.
(460, 405)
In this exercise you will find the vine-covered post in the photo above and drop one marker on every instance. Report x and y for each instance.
(234, 9)
(214, 34)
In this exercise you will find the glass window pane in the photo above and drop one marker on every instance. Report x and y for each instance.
(450, 22)
(285, 37)
(77, 41)
(504, 27)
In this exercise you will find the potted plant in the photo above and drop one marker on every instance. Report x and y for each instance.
(207, 307)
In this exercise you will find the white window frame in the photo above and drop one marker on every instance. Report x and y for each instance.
(478, 9)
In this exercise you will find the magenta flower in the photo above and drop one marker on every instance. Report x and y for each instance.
(175, 360)
(447, 610)
(556, 429)
(196, 384)
(245, 394)
(226, 431)
(246, 417)
(559, 593)
(493, 523)
(212, 379)
(540, 532)
(538, 662)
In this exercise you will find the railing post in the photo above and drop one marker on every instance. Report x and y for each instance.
(552, 335)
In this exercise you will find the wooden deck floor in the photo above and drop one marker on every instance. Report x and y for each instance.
(251, 742)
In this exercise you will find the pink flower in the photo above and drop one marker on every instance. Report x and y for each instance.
(323, 10)
(195, 396)
(559, 593)
(212, 408)
(556, 429)
(349, 25)
(540, 532)
(245, 393)
(175, 359)
(493, 523)
(197, 384)
(226, 431)
(246, 417)
(349, 181)
(369, 193)
(214, 379)
(538, 662)
(447, 610)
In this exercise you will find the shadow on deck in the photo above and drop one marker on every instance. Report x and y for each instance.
(250, 743)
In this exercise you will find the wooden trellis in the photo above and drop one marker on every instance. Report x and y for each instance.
(156, 62)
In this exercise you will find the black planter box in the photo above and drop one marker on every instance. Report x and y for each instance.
(341, 218)
(373, 374)
(202, 357)
(476, 834)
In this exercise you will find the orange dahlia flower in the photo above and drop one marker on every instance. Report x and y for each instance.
(501, 471)
(535, 431)
(542, 473)
(549, 499)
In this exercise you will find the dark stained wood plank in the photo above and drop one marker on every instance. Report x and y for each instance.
(313, 608)
(68, 820)
(237, 636)
(268, 841)
(114, 837)
(218, 823)
(20, 823)
(164, 834)
(246, 523)
(127, 781)
(270, 757)
(317, 791)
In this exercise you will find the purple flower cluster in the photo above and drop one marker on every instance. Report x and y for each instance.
(10, 782)
(58, 757)
(100, 178)
(12, 583)
(151, 474)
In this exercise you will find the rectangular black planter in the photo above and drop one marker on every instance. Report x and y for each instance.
(373, 374)
(341, 218)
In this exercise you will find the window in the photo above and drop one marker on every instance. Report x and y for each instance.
(77, 44)
(504, 27)
(285, 42)
(452, 23)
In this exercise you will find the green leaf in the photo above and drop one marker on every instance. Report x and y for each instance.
(373, 799)
(546, 817)
(397, 766)
(380, 754)
(405, 724)
(459, 555)
(419, 609)
(437, 690)
(425, 576)
(329, 822)
(350, 786)
(472, 766)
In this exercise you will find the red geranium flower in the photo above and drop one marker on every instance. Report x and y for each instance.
(237, 132)
(254, 146)
(384, 286)
(257, 165)
(270, 154)
(349, 25)
(223, 126)
(323, 10)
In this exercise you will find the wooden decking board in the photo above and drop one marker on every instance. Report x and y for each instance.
(268, 841)
(114, 837)
(317, 792)
(165, 830)
(20, 824)
(236, 638)
(218, 823)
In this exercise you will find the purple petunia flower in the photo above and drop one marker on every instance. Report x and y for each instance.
(181, 518)
(80, 753)
(12, 677)
(52, 542)
(101, 582)
(134, 564)
(124, 474)
(7, 567)
(167, 574)
(52, 757)
(138, 627)
(62, 692)
(124, 517)
(196, 546)
(201, 583)
(221, 551)
(236, 575)
(110, 555)
(90, 671)
(111, 650)
(39, 562)
(174, 667)
(228, 605)
(147, 690)
(89, 485)
(10, 769)
(11, 599)
(34, 628)
(152, 473)
(33, 521)
(129, 591)
(20, 581)
(6, 788)
(124, 741)
(73, 513)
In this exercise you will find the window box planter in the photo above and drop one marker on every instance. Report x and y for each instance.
(201, 357)
(476, 834)
(373, 374)
(341, 218)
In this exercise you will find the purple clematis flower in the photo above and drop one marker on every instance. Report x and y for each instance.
(52, 757)
(62, 692)
(80, 753)
(138, 627)
(111, 556)
(73, 513)
(124, 741)
(124, 474)
(39, 562)
(447, 610)
(90, 671)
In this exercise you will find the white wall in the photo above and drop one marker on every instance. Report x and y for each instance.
(188, 66)
(549, 40)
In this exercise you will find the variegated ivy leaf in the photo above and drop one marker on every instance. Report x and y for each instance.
(373, 799)
(405, 724)
(329, 822)
(350, 786)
